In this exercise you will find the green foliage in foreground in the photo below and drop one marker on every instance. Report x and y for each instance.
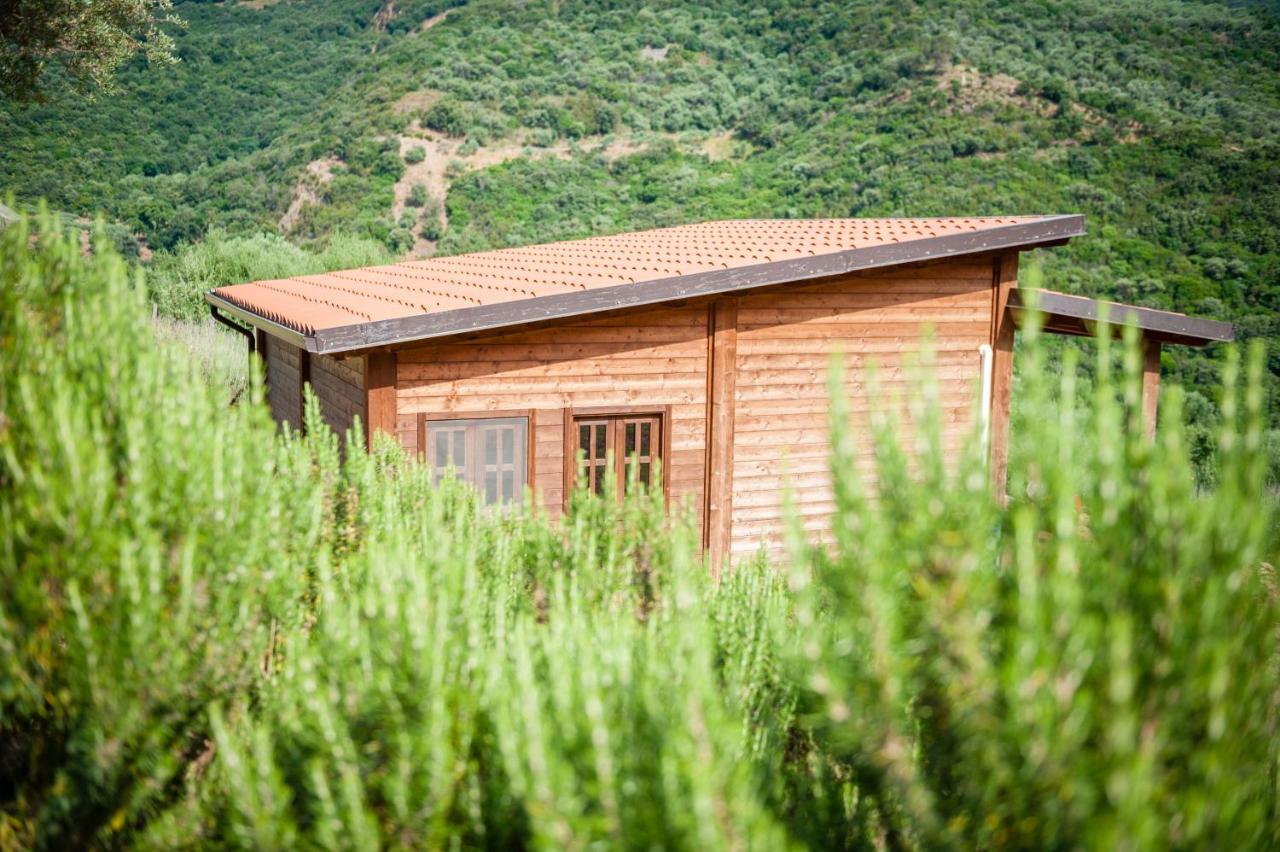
(214, 634)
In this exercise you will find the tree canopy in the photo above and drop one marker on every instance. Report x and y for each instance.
(87, 40)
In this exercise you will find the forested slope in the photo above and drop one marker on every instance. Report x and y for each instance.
(1159, 120)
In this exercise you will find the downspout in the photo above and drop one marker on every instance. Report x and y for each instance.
(986, 360)
(236, 327)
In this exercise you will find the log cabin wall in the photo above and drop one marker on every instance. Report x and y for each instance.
(642, 357)
(337, 383)
(339, 388)
(284, 381)
(785, 337)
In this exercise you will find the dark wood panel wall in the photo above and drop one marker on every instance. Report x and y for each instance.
(339, 389)
(284, 381)
(339, 385)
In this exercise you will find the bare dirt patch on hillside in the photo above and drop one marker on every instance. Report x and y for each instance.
(435, 20)
(420, 100)
(308, 190)
(721, 146)
(384, 16)
(430, 172)
(971, 90)
(433, 172)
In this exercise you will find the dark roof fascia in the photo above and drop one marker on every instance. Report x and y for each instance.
(1165, 326)
(1048, 230)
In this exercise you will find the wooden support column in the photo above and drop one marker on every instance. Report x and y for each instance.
(722, 372)
(1150, 384)
(380, 395)
(1004, 279)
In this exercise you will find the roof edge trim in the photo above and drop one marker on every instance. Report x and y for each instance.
(1159, 325)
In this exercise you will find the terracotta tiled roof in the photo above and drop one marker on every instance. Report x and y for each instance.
(310, 303)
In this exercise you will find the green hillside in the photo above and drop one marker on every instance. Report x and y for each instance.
(1159, 120)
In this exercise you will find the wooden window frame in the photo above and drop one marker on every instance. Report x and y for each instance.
(570, 457)
(530, 438)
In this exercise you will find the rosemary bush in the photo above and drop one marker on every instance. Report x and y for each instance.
(214, 633)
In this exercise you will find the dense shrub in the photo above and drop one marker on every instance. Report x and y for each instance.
(1092, 664)
(417, 195)
(217, 634)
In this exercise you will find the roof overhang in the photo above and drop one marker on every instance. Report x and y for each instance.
(1045, 231)
(1081, 316)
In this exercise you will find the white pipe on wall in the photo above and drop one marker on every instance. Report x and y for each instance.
(986, 362)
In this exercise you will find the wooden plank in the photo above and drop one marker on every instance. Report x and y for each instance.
(563, 349)
(816, 316)
(1004, 279)
(939, 283)
(830, 331)
(650, 382)
(903, 388)
(607, 334)
(879, 348)
(380, 395)
(618, 396)
(722, 374)
(1150, 385)
(417, 373)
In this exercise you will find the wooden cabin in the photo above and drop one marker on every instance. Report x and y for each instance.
(705, 347)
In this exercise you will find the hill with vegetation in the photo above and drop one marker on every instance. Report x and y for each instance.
(427, 127)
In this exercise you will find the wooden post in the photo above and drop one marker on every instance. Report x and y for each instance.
(1150, 384)
(380, 395)
(1004, 279)
(722, 372)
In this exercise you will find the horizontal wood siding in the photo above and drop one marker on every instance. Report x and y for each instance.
(786, 338)
(284, 382)
(339, 388)
(642, 358)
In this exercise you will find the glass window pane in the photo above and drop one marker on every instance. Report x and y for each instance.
(644, 473)
(645, 430)
(584, 439)
(600, 440)
(500, 442)
(630, 443)
(597, 483)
